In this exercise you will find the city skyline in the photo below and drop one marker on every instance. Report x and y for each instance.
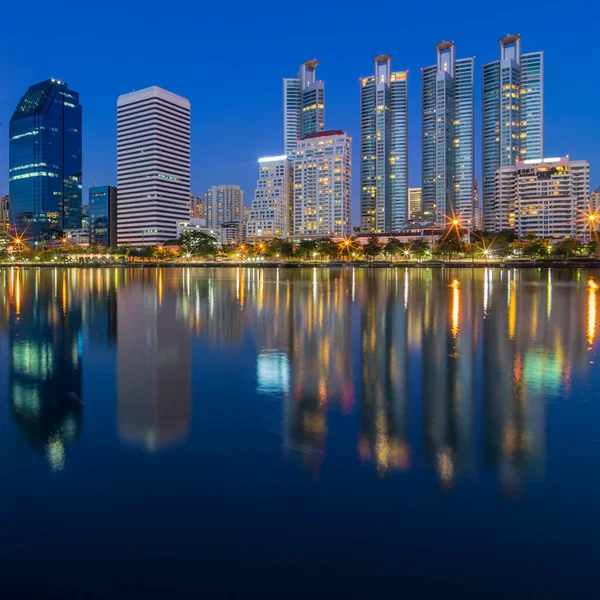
(214, 160)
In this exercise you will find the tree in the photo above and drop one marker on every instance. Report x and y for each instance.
(307, 247)
(199, 243)
(450, 243)
(566, 248)
(373, 247)
(394, 247)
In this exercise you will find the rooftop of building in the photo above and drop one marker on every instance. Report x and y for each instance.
(320, 134)
(152, 92)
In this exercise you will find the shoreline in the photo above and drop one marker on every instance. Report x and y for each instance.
(546, 264)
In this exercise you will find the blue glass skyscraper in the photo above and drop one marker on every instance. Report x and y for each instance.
(45, 162)
(103, 216)
(513, 118)
(384, 149)
(448, 163)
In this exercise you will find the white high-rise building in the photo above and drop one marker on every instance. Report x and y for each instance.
(153, 166)
(323, 184)
(384, 148)
(547, 197)
(223, 204)
(513, 115)
(415, 204)
(303, 106)
(271, 212)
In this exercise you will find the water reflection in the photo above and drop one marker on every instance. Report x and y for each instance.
(153, 363)
(447, 370)
(45, 360)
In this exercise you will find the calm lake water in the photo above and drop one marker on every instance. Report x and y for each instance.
(299, 433)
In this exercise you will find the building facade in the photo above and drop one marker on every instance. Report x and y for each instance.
(195, 207)
(322, 165)
(448, 150)
(303, 105)
(103, 216)
(415, 204)
(223, 204)
(384, 148)
(45, 162)
(513, 115)
(547, 198)
(4, 213)
(271, 211)
(153, 166)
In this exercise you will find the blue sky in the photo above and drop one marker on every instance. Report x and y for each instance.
(229, 59)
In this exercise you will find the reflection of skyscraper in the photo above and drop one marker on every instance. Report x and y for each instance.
(320, 362)
(385, 374)
(153, 355)
(448, 376)
(45, 360)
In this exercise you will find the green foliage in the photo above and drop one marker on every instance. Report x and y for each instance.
(199, 243)
(373, 247)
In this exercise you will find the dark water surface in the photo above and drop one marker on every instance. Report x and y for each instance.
(299, 433)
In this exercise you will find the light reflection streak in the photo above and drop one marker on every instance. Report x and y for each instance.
(455, 307)
(591, 312)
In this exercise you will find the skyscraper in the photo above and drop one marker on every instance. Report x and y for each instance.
(513, 114)
(271, 212)
(448, 160)
(303, 105)
(323, 184)
(103, 216)
(45, 162)
(153, 165)
(223, 204)
(384, 148)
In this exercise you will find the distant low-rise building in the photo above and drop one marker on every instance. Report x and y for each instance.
(546, 198)
(4, 213)
(232, 233)
(77, 236)
(196, 225)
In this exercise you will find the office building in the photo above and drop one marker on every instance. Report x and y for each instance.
(448, 160)
(547, 198)
(384, 149)
(103, 216)
(303, 105)
(415, 204)
(271, 211)
(153, 166)
(513, 115)
(85, 216)
(195, 206)
(594, 200)
(77, 236)
(4, 213)
(323, 184)
(222, 204)
(45, 162)
(232, 232)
